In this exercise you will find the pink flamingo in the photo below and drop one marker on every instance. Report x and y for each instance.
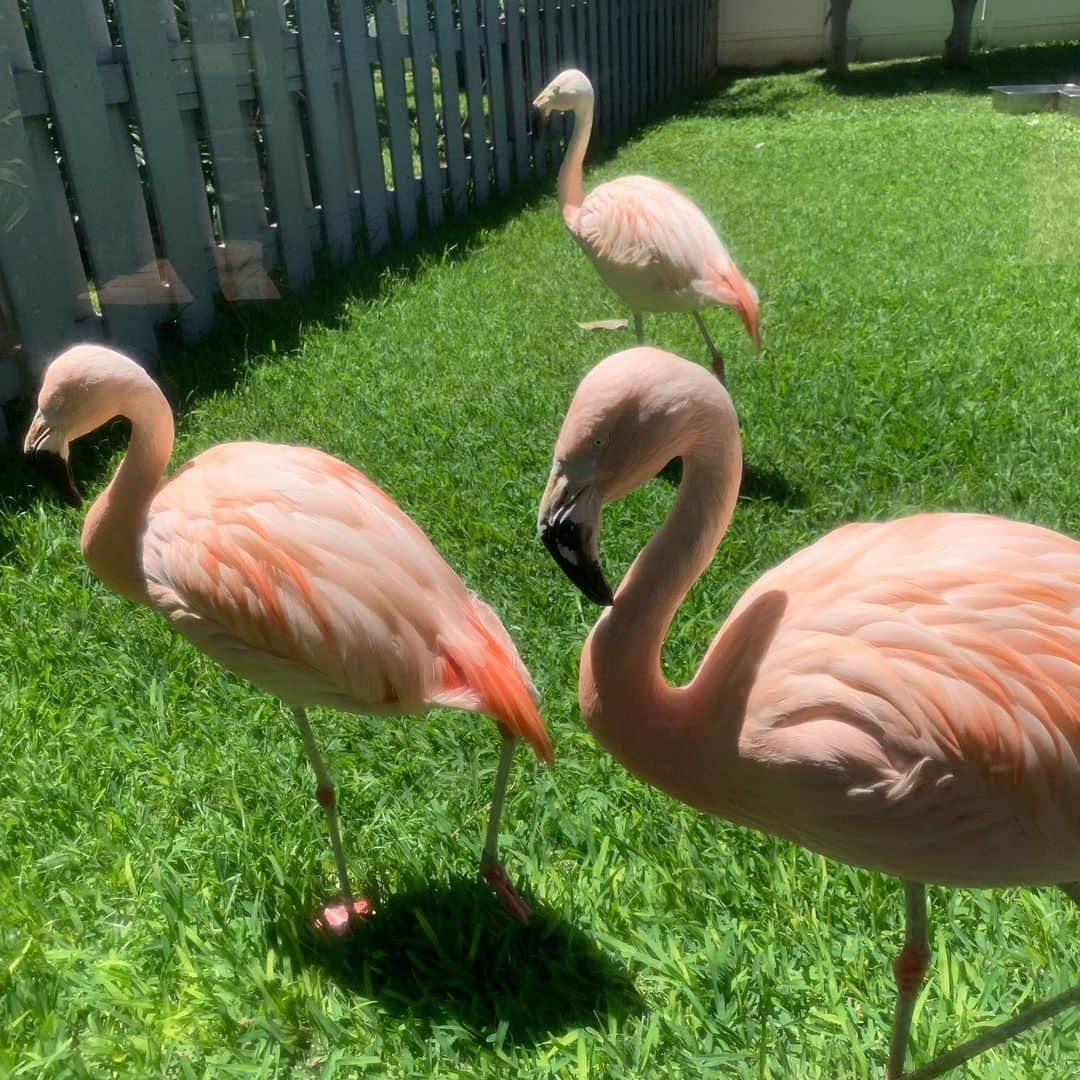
(904, 696)
(292, 569)
(651, 245)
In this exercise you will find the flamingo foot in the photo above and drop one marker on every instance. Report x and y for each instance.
(337, 919)
(493, 873)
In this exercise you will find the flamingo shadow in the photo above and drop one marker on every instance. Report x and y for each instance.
(448, 951)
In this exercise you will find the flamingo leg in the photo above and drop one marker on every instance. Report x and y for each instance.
(714, 352)
(908, 969)
(324, 795)
(639, 328)
(491, 870)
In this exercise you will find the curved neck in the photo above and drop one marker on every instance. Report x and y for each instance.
(571, 184)
(112, 533)
(624, 696)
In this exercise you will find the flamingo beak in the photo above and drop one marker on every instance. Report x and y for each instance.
(46, 451)
(568, 524)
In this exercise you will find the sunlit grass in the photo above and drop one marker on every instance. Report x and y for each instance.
(159, 845)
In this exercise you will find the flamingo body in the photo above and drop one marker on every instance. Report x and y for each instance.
(290, 568)
(293, 569)
(917, 708)
(648, 242)
(902, 695)
(655, 249)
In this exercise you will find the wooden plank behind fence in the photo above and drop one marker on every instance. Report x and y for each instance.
(391, 56)
(515, 77)
(472, 49)
(175, 181)
(556, 128)
(357, 52)
(228, 121)
(446, 43)
(567, 45)
(580, 36)
(421, 47)
(329, 156)
(284, 143)
(500, 131)
(39, 255)
(101, 168)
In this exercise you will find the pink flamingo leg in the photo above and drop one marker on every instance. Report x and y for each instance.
(714, 352)
(908, 969)
(491, 870)
(336, 917)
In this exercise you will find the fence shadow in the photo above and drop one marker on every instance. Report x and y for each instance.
(449, 952)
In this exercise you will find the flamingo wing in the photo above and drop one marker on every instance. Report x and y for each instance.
(294, 570)
(648, 240)
(930, 667)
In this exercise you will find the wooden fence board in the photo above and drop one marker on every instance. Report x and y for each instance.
(556, 128)
(592, 22)
(102, 171)
(39, 255)
(534, 33)
(357, 53)
(446, 43)
(580, 39)
(325, 124)
(472, 48)
(237, 182)
(516, 100)
(421, 46)
(283, 138)
(500, 131)
(391, 55)
(181, 223)
(567, 44)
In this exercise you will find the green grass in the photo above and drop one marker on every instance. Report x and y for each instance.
(159, 845)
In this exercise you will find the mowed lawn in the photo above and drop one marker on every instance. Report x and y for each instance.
(160, 849)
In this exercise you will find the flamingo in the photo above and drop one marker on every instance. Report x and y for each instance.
(903, 696)
(291, 569)
(649, 243)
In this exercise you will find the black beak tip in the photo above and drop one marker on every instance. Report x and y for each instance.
(563, 542)
(57, 471)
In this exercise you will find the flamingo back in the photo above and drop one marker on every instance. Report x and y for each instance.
(294, 570)
(929, 668)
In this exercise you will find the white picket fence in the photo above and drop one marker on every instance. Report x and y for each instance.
(156, 155)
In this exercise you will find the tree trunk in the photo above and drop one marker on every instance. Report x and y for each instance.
(958, 43)
(838, 51)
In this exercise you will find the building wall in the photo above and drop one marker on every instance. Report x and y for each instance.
(763, 33)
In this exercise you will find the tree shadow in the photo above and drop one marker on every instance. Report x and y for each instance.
(1025, 64)
(449, 952)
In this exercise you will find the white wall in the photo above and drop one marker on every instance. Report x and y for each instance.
(762, 33)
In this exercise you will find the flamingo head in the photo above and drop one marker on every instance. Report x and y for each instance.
(568, 91)
(630, 415)
(78, 394)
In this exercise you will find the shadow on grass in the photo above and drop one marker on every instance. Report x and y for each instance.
(449, 952)
(740, 92)
(765, 482)
(244, 331)
(1027, 64)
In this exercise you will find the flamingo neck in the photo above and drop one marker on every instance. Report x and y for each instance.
(571, 183)
(646, 723)
(112, 533)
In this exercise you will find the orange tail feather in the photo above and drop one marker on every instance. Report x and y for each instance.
(504, 690)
